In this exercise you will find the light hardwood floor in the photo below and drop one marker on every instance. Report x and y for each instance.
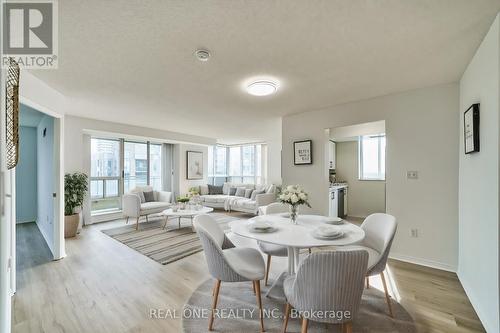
(104, 286)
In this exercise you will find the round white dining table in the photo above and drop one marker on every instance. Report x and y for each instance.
(297, 236)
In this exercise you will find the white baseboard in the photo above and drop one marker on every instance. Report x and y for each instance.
(105, 217)
(424, 262)
(476, 304)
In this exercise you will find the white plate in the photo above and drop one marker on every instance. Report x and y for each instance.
(262, 231)
(328, 230)
(334, 220)
(323, 237)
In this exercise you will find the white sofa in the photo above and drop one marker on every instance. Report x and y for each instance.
(236, 203)
(134, 207)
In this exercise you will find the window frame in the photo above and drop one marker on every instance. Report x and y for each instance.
(258, 173)
(381, 174)
(121, 172)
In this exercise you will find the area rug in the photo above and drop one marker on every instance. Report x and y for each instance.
(238, 312)
(164, 246)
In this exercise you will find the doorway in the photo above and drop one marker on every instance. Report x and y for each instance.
(356, 168)
(35, 189)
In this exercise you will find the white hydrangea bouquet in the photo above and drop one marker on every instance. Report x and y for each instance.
(294, 196)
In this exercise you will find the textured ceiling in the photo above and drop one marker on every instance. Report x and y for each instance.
(132, 61)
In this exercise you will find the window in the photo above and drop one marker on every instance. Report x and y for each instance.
(237, 164)
(105, 174)
(372, 157)
(135, 171)
(117, 166)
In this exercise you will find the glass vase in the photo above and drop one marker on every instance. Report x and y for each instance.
(294, 213)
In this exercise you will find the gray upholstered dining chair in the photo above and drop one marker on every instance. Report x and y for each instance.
(272, 249)
(327, 281)
(227, 263)
(379, 230)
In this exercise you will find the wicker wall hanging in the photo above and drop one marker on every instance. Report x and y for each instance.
(12, 114)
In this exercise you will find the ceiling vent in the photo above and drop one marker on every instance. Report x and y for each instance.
(202, 55)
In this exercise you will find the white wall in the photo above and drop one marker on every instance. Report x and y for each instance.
(273, 141)
(26, 176)
(45, 180)
(181, 183)
(422, 135)
(479, 183)
(364, 197)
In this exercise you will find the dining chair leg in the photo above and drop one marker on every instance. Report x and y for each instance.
(367, 282)
(215, 286)
(287, 316)
(259, 303)
(305, 322)
(214, 305)
(347, 327)
(253, 286)
(137, 223)
(268, 268)
(387, 297)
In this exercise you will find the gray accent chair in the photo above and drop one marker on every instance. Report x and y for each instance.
(227, 263)
(272, 249)
(327, 282)
(380, 230)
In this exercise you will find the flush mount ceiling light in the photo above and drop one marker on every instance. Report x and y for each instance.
(262, 88)
(202, 55)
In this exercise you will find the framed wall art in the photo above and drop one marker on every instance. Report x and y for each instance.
(194, 164)
(471, 129)
(302, 152)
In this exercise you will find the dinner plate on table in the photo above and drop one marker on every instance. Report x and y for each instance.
(327, 232)
(334, 220)
(261, 227)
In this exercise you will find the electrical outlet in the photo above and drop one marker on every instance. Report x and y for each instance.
(414, 233)
(412, 174)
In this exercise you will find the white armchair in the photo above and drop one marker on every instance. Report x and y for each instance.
(134, 207)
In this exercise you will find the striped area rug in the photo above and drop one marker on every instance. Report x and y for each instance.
(164, 246)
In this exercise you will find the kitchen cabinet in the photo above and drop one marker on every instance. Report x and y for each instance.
(331, 155)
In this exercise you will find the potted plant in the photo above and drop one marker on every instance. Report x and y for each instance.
(75, 189)
(182, 201)
(294, 196)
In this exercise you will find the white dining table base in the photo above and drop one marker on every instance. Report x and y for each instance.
(276, 290)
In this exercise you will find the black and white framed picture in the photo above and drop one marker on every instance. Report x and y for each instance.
(194, 161)
(302, 152)
(471, 129)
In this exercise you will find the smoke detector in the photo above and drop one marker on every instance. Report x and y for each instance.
(202, 55)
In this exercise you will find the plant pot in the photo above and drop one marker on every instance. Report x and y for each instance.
(71, 225)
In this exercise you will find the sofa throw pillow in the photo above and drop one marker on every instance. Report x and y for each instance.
(212, 189)
(240, 192)
(141, 196)
(203, 189)
(149, 196)
(232, 190)
(254, 194)
(248, 193)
